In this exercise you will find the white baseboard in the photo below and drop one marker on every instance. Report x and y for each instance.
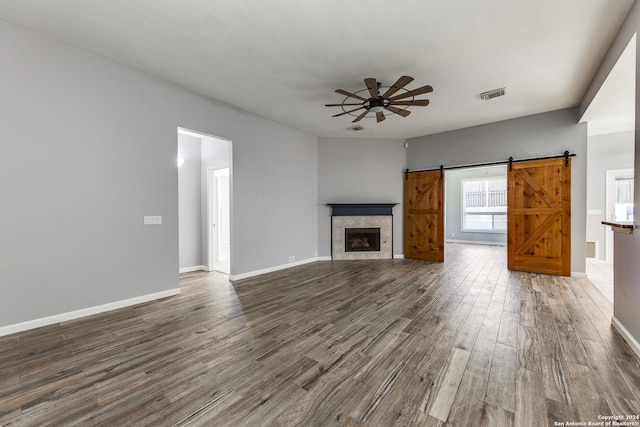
(276, 268)
(194, 268)
(398, 256)
(579, 275)
(63, 317)
(626, 335)
(476, 242)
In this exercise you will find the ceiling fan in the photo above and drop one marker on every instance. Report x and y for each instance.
(379, 104)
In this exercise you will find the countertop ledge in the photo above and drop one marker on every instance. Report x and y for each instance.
(620, 226)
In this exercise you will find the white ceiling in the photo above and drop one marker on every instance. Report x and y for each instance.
(614, 106)
(283, 59)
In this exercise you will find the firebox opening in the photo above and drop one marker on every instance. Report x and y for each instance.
(362, 239)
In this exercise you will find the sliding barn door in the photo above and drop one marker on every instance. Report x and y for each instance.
(424, 216)
(539, 217)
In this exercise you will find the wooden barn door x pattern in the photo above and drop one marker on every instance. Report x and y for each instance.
(424, 216)
(538, 216)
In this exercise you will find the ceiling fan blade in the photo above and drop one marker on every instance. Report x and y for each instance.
(419, 91)
(379, 116)
(418, 102)
(360, 117)
(349, 94)
(400, 111)
(347, 112)
(340, 105)
(402, 82)
(372, 85)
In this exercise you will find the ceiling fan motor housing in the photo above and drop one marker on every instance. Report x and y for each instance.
(376, 105)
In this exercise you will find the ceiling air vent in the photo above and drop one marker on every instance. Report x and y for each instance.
(493, 93)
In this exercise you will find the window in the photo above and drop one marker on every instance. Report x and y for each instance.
(624, 199)
(484, 205)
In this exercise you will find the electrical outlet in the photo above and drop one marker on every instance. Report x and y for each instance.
(293, 258)
(453, 234)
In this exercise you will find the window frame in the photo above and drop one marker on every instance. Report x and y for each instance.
(463, 211)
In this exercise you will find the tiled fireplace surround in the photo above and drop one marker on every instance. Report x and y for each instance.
(361, 215)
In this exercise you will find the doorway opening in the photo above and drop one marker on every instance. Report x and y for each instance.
(204, 202)
(476, 209)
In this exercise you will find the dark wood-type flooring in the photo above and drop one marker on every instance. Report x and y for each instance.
(348, 343)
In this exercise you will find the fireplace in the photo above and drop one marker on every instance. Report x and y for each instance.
(362, 239)
(361, 231)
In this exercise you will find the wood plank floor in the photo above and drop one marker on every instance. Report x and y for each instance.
(348, 343)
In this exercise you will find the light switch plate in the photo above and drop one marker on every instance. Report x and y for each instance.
(152, 220)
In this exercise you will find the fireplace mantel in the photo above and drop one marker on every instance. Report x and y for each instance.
(361, 209)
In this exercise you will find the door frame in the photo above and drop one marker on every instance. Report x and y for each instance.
(222, 162)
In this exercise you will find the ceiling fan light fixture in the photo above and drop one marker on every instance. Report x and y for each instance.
(376, 105)
(485, 96)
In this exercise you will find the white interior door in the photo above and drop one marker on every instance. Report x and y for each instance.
(219, 219)
(212, 218)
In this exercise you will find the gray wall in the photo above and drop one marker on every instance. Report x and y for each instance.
(533, 136)
(359, 171)
(189, 202)
(453, 205)
(89, 148)
(626, 269)
(274, 198)
(604, 152)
